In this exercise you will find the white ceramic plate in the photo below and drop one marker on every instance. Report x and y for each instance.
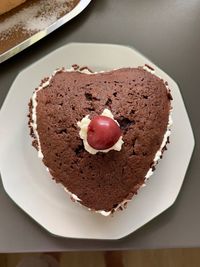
(27, 182)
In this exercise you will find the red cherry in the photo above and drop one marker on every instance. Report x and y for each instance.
(103, 133)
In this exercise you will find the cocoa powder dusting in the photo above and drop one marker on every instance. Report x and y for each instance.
(30, 18)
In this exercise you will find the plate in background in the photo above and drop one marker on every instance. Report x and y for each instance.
(33, 20)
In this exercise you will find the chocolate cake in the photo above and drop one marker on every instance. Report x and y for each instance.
(138, 103)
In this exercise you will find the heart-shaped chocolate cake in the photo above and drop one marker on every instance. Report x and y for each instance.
(101, 134)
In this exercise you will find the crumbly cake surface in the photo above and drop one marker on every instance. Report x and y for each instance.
(139, 101)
